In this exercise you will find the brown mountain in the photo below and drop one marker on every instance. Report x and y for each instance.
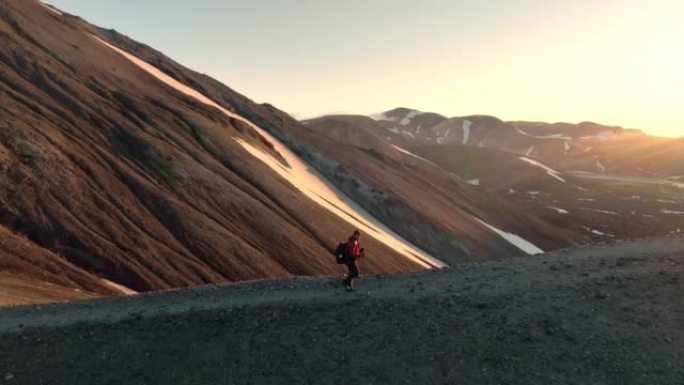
(585, 146)
(121, 170)
(591, 180)
(108, 172)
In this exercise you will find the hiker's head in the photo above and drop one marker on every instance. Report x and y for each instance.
(357, 234)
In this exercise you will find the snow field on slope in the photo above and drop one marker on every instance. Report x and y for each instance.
(407, 152)
(559, 210)
(407, 120)
(548, 170)
(513, 239)
(466, 130)
(118, 287)
(552, 136)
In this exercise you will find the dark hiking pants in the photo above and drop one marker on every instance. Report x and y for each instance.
(353, 272)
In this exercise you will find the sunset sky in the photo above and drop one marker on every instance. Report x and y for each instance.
(610, 61)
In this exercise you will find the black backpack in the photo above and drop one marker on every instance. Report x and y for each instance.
(339, 253)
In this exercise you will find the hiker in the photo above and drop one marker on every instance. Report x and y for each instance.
(352, 253)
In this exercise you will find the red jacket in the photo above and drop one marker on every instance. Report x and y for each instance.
(353, 248)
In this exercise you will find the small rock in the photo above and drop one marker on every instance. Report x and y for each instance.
(9, 377)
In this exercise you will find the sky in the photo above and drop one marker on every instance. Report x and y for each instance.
(617, 62)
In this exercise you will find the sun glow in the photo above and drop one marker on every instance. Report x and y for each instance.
(616, 62)
(617, 66)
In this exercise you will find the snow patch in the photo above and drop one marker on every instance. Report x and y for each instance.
(407, 119)
(552, 136)
(529, 151)
(120, 288)
(665, 211)
(515, 240)
(381, 116)
(411, 154)
(317, 188)
(598, 232)
(567, 145)
(557, 136)
(600, 166)
(447, 132)
(52, 9)
(466, 130)
(556, 176)
(560, 210)
(600, 211)
(548, 170)
(606, 134)
(302, 176)
(474, 182)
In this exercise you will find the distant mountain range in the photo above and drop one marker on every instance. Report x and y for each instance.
(586, 146)
(603, 182)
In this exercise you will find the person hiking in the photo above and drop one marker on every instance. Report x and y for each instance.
(352, 253)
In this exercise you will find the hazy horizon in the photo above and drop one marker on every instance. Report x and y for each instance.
(613, 63)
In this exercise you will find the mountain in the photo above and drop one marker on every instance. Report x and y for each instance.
(585, 146)
(122, 171)
(117, 175)
(602, 182)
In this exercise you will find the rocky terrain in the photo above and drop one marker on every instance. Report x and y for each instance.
(609, 314)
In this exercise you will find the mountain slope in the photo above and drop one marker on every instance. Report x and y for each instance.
(126, 178)
(585, 146)
(31, 274)
(604, 315)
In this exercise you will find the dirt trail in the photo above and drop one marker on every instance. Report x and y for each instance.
(600, 315)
